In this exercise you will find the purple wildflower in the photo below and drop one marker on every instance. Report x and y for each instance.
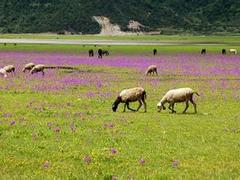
(113, 151)
(142, 161)
(13, 122)
(46, 164)
(87, 159)
(114, 178)
(175, 164)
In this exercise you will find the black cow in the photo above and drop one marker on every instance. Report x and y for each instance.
(91, 53)
(105, 53)
(100, 53)
(224, 52)
(154, 52)
(204, 51)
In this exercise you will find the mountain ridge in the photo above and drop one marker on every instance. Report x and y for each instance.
(202, 16)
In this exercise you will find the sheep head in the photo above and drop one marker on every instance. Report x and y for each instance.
(116, 103)
(160, 106)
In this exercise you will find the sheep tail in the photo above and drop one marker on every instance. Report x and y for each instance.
(196, 93)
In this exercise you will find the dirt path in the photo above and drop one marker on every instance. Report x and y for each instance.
(103, 42)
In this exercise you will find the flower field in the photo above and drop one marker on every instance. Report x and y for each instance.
(61, 125)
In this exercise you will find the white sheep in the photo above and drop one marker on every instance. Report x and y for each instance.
(3, 72)
(131, 95)
(151, 70)
(9, 69)
(178, 96)
(233, 51)
(38, 68)
(28, 67)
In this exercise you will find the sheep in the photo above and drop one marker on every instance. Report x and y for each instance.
(28, 67)
(131, 95)
(177, 96)
(233, 51)
(38, 68)
(151, 70)
(9, 69)
(3, 72)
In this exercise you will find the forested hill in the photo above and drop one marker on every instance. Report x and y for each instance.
(32, 16)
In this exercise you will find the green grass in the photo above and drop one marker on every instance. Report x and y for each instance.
(177, 38)
(206, 145)
(116, 49)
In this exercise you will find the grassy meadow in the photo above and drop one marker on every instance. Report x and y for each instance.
(61, 126)
(165, 38)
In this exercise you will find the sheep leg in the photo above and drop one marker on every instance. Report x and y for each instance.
(129, 107)
(173, 111)
(140, 105)
(43, 73)
(194, 105)
(124, 109)
(171, 107)
(187, 105)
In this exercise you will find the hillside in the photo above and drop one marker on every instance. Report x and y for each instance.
(201, 16)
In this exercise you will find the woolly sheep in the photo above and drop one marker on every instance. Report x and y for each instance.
(3, 72)
(177, 96)
(151, 70)
(233, 51)
(9, 68)
(28, 67)
(131, 95)
(38, 68)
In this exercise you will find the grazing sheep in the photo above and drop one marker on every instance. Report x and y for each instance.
(38, 68)
(204, 51)
(151, 70)
(28, 67)
(3, 72)
(131, 95)
(233, 51)
(9, 69)
(224, 52)
(177, 96)
(154, 52)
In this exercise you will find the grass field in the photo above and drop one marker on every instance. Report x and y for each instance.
(164, 38)
(61, 125)
(116, 50)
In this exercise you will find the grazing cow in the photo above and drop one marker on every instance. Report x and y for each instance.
(100, 53)
(224, 52)
(91, 53)
(233, 51)
(204, 51)
(155, 52)
(105, 53)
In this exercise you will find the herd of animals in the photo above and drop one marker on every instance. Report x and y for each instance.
(128, 96)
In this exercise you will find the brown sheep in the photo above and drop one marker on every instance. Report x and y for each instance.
(151, 70)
